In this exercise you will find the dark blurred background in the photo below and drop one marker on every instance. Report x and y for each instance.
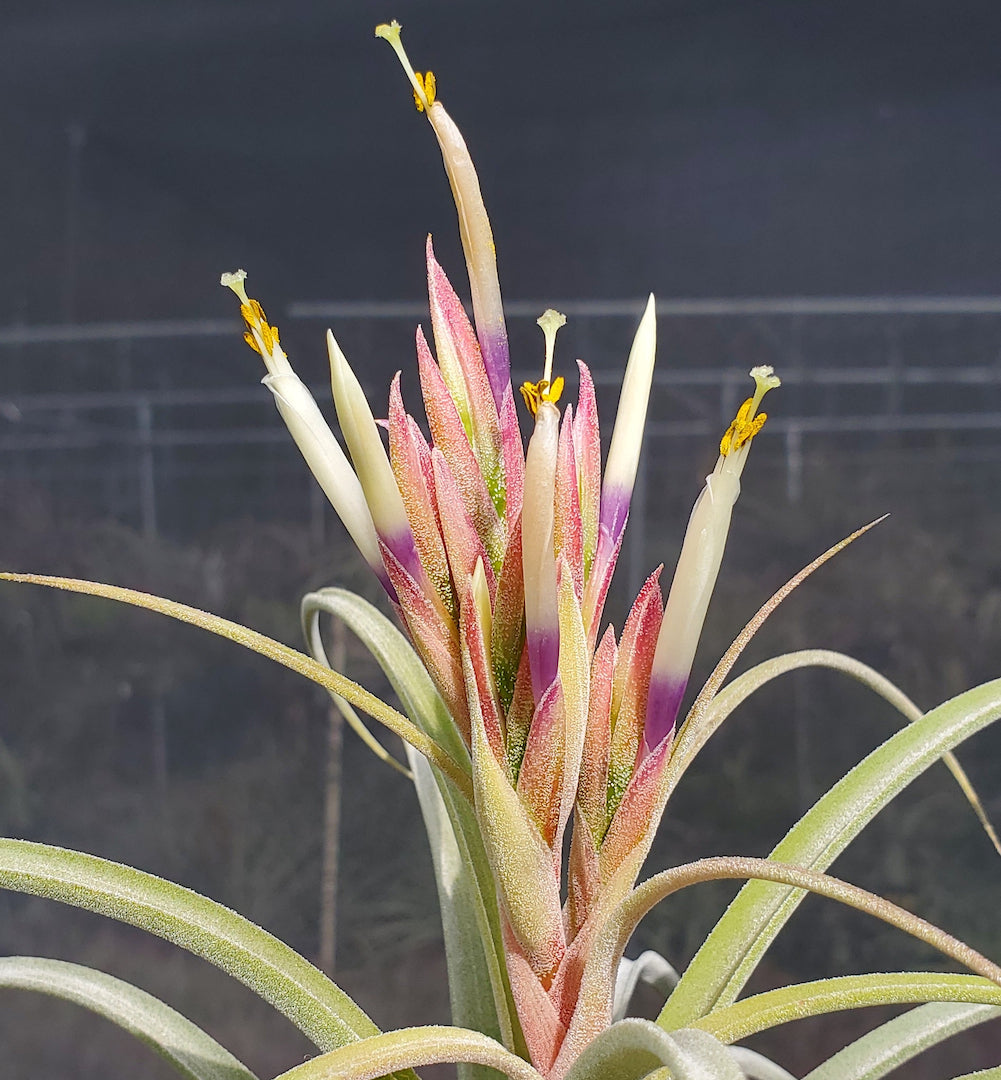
(808, 185)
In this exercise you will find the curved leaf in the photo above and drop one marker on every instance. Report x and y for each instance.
(756, 1066)
(411, 1048)
(983, 1074)
(745, 684)
(694, 721)
(633, 1049)
(274, 650)
(752, 1066)
(193, 1053)
(477, 979)
(722, 966)
(478, 985)
(889, 1046)
(762, 1011)
(594, 999)
(319, 1008)
(394, 654)
(649, 967)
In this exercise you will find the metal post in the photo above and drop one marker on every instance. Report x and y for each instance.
(794, 464)
(147, 469)
(159, 717)
(895, 362)
(332, 816)
(802, 702)
(76, 137)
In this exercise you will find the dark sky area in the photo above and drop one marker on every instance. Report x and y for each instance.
(696, 149)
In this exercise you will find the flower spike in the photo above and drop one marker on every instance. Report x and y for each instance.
(499, 560)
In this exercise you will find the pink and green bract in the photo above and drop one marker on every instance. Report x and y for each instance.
(498, 561)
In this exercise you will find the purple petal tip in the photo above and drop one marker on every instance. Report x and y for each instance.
(663, 702)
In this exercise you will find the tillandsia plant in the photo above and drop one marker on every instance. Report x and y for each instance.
(544, 749)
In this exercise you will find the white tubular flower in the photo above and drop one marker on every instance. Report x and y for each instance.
(302, 416)
(698, 565)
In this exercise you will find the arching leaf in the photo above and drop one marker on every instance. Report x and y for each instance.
(193, 1053)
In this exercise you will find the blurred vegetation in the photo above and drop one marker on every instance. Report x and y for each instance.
(154, 744)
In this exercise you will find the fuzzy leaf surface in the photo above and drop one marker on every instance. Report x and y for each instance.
(722, 966)
(193, 1053)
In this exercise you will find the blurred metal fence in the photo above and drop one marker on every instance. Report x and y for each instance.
(162, 425)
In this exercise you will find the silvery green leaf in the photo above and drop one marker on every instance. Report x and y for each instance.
(650, 968)
(412, 1048)
(889, 1046)
(473, 988)
(633, 1049)
(394, 654)
(278, 974)
(722, 966)
(733, 1023)
(757, 1067)
(193, 1053)
(305, 665)
(691, 741)
(479, 991)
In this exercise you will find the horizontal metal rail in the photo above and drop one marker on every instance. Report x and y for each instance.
(666, 377)
(276, 433)
(711, 307)
(716, 307)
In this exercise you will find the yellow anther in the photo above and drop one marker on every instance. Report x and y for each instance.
(428, 85)
(259, 330)
(748, 422)
(534, 393)
(743, 429)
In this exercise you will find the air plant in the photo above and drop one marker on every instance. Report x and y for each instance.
(543, 747)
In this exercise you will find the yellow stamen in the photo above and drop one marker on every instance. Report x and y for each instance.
(748, 421)
(535, 393)
(427, 81)
(260, 335)
(424, 85)
(544, 390)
